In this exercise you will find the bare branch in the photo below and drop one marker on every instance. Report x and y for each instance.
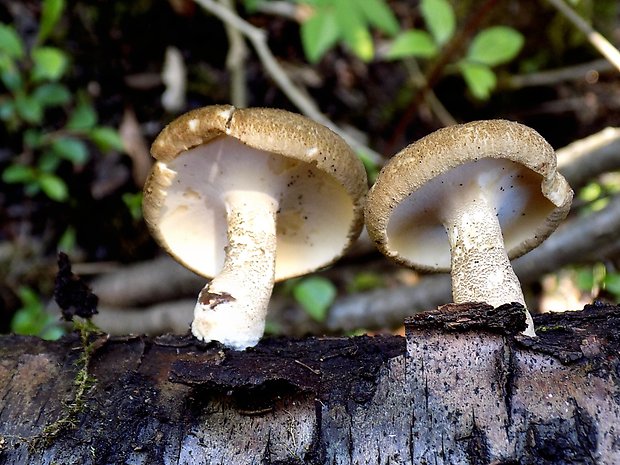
(235, 61)
(556, 76)
(599, 42)
(585, 159)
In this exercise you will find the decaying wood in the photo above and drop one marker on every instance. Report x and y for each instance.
(461, 388)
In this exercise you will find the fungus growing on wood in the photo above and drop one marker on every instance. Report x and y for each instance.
(249, 197)
(468, 198)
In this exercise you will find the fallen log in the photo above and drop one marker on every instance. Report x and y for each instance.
(460, 388)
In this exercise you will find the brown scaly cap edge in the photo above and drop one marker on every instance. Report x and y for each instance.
(455, 145)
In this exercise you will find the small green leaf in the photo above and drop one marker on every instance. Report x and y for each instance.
(50, 63)
(10, 42)
(412, 43)
(52, 94)
(353, 29)
(495, 45)
(70, 149)
(380, 16)
(50, 14)
(68, 240)
(315, 294)
(480, 79)
(7, 110)
(372, 168)
(612, 284)
(48, 162)
(33, 138)
(584, 279)
(106, 138)
(54, 187)
(11, 78)
(319, 33)
(133, 202)
(17, 173)
(28, 108)
(365, 281)
(84, 116)
(440, 19)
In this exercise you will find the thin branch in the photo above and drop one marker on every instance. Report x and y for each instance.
(235, 61)
(556, 76)
(599, 42)
(258, 39)
(585, 159)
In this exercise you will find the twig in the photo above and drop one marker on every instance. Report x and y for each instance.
(585, 159)
(595, 38)
(555, 76)
(419, 80)
(235, 61)
(308, 107)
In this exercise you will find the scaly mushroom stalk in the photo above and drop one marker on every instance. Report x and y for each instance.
(233, 306)
(481, 270)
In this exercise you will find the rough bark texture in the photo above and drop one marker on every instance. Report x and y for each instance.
(460, 389)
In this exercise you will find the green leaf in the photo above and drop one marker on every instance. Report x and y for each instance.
(380, 16)
(48, 162)
(54, 187)
(412, 43)
(315, 294)
(319, 33)
(353, 29)
(50, 14)
(52, 331)
(50, 64)
(480, 79)
(106, 138)
(17, 173)
(52, 94)
(28, 108)
(584, 279)
(84, 116)
(612, 283)
(365, 281)
(10, 42)
(68, 240)
(439, 18)
(495, 45)
(7, 110)
(10, 75)
(33, 138)
(70, 149)
(133, 202)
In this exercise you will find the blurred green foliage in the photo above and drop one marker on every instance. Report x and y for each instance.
(32, 319)
(32, 77)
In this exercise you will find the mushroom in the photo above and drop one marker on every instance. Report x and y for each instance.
(249, 197)
(468, 198)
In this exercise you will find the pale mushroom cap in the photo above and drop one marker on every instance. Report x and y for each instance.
(403, 211)
(320, 213)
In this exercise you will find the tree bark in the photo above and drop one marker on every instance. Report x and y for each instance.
(463, 387)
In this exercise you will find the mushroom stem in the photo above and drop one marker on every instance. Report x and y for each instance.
(481, 270)
(232, 307)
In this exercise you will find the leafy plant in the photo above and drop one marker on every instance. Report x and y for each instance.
(32, 79)
(489, 48)
(346, 21)
(32, 319)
